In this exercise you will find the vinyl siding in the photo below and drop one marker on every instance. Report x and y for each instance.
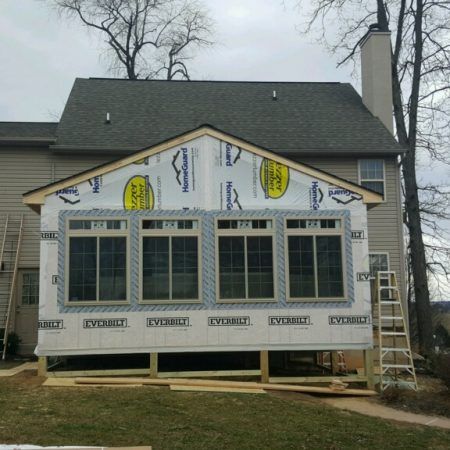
(24, 169)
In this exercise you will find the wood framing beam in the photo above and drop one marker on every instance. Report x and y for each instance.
(368, 369)
(153, 365)
(42, 366)
(264, 364)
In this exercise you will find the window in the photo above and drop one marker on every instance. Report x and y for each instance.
(97, 260)
(378, 262)
(245, 252)
(30, 288)
(170, 254)
(371, 174)
(315, 259)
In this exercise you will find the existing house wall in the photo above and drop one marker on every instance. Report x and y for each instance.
(25, 169)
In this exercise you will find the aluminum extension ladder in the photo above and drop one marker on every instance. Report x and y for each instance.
(9, 262)
(393, 349)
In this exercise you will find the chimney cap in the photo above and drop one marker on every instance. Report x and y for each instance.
(373, 29)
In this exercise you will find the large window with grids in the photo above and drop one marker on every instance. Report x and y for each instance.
(170, 260)
(315, 256)
(245, 260)
(97, 261)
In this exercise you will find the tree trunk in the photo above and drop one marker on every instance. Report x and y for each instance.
(418, 262)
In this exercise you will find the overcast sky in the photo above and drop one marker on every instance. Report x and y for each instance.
(41, 55)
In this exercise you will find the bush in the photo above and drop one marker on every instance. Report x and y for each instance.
(12, 345)
(441, 367)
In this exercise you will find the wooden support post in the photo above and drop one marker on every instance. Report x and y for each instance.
(42, 366)
(368, 368)
(153, 365)
(334, 359)
(264, 365)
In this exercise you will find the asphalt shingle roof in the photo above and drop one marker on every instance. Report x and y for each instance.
(28, 130)
(306, 117)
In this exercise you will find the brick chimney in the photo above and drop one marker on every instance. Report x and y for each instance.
(376, 75)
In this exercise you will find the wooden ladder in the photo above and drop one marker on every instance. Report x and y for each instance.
(393, 349)
(9, 262)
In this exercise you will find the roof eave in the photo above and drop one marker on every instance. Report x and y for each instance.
(20, 141)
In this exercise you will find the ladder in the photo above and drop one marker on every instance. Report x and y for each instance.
(325, 359)
(9, 262)
(391, 339)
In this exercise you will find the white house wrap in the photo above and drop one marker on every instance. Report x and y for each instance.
(223, 186)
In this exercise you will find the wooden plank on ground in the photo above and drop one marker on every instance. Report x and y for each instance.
(182, 387)
(209, 373)
(95, 373)
(319, 379)
(70, 382)
(15, 370)
(231, 384)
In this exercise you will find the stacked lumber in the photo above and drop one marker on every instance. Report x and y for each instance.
(175, 384)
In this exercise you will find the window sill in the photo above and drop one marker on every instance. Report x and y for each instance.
(317, 300)
(246, 301)
(96, 303)
(170, 302)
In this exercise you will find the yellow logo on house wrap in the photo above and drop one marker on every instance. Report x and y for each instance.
(274, 178)
(138, 193)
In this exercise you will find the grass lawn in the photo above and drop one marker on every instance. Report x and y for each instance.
(32, 414)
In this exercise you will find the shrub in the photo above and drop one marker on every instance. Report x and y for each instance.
(441, 367)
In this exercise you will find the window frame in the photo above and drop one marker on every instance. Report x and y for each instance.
(171, 233)
(97, 234)
(24, 272)
(380, 253)
(271, 232)
(361, 179)
(315, 232)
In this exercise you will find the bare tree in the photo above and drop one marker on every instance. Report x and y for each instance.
(421, 100)
(145, 38)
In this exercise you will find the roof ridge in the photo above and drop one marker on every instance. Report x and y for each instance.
(27, 122)
(214, 81)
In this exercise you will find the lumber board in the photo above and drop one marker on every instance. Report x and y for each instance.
(209, 373)
(182, 387)
(319, 379)
(231, 384)
(95, 373)
(70, 382)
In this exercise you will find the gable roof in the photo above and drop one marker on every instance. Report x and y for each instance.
(305, 117)
(27, 132)
(36, 197)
